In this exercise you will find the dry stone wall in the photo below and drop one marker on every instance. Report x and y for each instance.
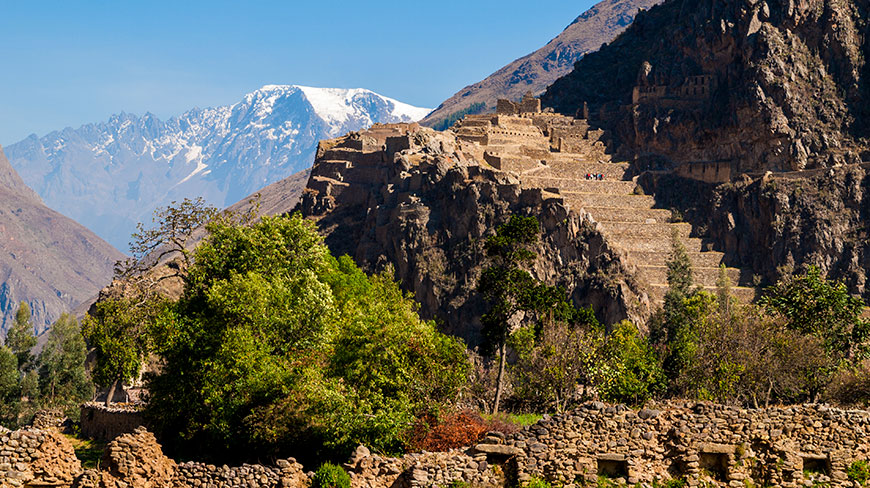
(702, 443)
(36, 457)
(106, 423)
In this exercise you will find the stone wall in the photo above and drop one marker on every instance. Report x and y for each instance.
(32, 457)
(105, 423)
(699, 442)
(703, 443)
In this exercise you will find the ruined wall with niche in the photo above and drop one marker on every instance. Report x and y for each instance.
(703, 443)
(698, 442)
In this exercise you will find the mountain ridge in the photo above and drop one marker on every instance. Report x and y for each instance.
(47, 260)
(537, 70)
(110, 175)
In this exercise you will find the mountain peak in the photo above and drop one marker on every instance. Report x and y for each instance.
(113, 174)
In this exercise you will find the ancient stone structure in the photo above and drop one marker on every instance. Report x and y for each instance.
(705, 444)
(528, 105)
(424, 201)
(691, 89)
(105, 423)
(557, 153)
(388, 168)
(699, 442)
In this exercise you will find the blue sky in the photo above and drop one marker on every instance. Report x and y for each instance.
(69, 63)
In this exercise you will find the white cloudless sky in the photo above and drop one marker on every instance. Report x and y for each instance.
(68, 63)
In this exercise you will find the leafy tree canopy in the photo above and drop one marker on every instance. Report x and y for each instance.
(276, 344)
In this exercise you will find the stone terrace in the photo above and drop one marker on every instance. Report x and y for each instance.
(555, 153)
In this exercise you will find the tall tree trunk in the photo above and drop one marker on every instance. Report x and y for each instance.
(111, 393)
(502, 355)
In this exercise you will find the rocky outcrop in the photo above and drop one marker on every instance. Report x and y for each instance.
(534, 72)
(424, 202)
(755, 85)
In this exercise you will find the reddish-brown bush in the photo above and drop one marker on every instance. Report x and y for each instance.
(452, 430)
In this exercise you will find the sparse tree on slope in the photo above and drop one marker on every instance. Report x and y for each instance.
(63, 379)
(20, 339)
(9, 388)
(514, 295)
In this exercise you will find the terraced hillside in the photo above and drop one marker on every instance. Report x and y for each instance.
(555, 154)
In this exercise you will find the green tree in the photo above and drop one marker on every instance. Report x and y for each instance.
(122, 332)
(551, 366)
(626, 368)
(514, 296)
(62, 376)
(674, 328)
(814, 306)
(278, 345)
(10, 393)
(20, 339)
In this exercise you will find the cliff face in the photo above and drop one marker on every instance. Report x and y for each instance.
(783, 223)
(758, 85)
(414, 198)
(535, 71)
(46, 259)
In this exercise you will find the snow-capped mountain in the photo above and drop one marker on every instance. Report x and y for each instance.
(112, 174)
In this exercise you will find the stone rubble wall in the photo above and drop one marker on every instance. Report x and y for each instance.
(703, 443)
(35, 457)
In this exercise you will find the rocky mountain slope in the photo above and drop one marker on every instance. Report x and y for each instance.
(783, 222)
(754, 85)
(536, 71)
(112, 174)
(46, 259)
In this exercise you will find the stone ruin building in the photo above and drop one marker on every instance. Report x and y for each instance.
(702, 443)
(548, 152)
(528, 105)
(689, 90)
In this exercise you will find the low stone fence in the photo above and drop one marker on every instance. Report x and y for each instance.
(702, 443)
(105, 423)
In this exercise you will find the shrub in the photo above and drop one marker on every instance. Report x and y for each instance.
(535, 482)
(859, 471)
(453, 430)
(329, 475)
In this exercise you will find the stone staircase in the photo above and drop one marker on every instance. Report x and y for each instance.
(631, 222)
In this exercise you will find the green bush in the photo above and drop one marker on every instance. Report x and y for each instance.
(535, 482)
(458, 484)
(859, 471)
(329, 475)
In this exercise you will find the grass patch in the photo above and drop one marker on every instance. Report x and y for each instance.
(519, 419)
(88, 451)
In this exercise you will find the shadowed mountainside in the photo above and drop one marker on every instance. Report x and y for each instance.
(779, 85)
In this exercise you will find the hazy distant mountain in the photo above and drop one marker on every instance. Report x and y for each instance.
(46, 259)
(535, 72)
(112, 174)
